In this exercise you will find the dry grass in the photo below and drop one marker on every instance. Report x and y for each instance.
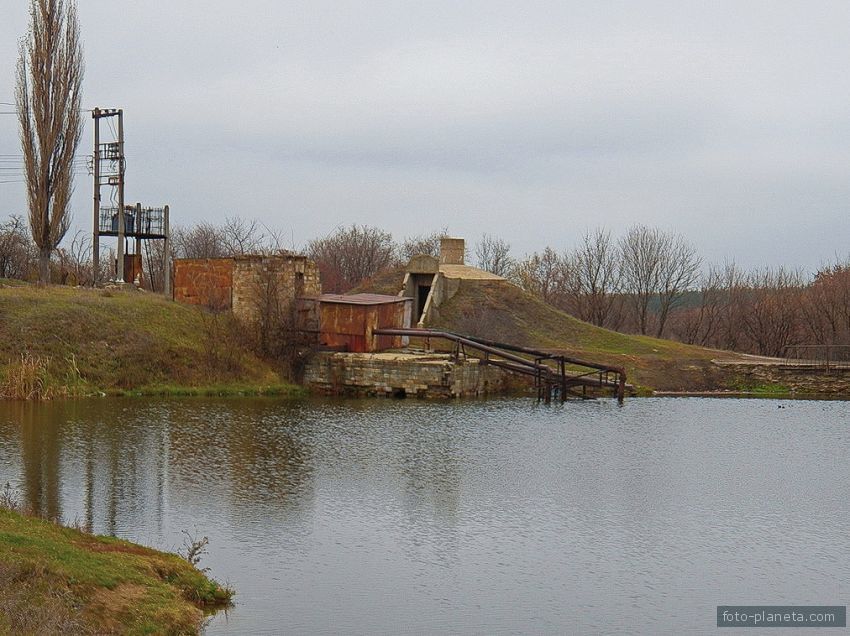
(25, 378)
(58, 341)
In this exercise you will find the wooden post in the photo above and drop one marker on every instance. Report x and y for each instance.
(621, 387)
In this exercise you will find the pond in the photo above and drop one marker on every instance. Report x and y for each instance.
(497, 516)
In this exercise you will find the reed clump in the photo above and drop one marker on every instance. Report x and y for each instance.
(34, 377)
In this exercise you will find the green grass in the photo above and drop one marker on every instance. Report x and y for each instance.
(95, 584)
(218, 390)
(763, 388)
(114, 342)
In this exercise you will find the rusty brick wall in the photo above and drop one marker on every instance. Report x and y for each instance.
(203, 281)
(288, 277)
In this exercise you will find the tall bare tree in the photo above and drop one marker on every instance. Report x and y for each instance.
(597, 276)
(47, 97)
(658, 266)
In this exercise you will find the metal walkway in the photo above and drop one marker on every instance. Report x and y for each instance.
(553, 373)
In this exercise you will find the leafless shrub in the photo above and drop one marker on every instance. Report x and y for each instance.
(203, 240)
(18, 253)
(350, 255)
(428, 244)
(194, 549)
(273, 325)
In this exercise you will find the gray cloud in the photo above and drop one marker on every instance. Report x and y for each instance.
(726, 121)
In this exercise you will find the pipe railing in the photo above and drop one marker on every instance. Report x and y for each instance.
(546, 378)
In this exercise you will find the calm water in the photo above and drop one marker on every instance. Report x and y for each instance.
(465, 517)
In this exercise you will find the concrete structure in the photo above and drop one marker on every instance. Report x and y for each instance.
(402, 374)
(431, 281)
(346, 322)
(244, 284)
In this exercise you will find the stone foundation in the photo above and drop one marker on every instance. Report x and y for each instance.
(429, 375)
(796, 379)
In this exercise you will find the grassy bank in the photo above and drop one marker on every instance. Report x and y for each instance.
(59, 341)
(57, 580)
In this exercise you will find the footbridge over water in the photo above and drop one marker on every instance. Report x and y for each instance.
(555, 374)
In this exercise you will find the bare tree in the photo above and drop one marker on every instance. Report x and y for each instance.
(422, 244)
(239, 237)
(17, 251)
(350, 255)
(826, 306)
(678, 269)
(75, 264)
(658, 266)
(494, 255)
(596, 272)
(47, 97)
(203, 240)
(542, 275)
(772, 316)
(700, 324)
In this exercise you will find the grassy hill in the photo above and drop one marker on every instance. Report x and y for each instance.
(502, 311)
(70, 341)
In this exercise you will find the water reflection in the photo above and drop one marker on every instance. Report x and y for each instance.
(374, 516)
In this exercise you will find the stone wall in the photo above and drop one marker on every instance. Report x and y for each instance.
(397, 374)
(799, 380)
(258, 279)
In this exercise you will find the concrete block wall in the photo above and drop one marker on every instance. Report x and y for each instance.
(425, 375)
(452, 251)
(284, 277)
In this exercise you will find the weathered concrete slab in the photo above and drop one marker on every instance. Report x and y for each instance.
(430, 375)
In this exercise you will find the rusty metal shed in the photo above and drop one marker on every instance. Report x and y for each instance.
(346, 322)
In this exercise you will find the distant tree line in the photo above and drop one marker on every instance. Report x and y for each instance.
(645, 281)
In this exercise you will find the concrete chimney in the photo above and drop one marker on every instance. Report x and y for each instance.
(451, 251)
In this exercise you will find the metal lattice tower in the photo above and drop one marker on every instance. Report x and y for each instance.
(118, 219)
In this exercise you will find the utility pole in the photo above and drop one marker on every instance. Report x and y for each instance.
(95, 241)
(108, 163)
(137, 222)
(121, 212)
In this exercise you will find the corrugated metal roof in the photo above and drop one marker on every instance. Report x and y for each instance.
(360, 299)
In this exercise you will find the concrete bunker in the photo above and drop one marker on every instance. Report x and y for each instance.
(431, 281)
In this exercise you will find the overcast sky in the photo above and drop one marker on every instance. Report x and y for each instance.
(728, 122)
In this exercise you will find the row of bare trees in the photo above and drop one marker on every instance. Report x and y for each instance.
(635, 281)
(767, 310)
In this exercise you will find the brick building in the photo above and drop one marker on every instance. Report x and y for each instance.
(244, 283)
